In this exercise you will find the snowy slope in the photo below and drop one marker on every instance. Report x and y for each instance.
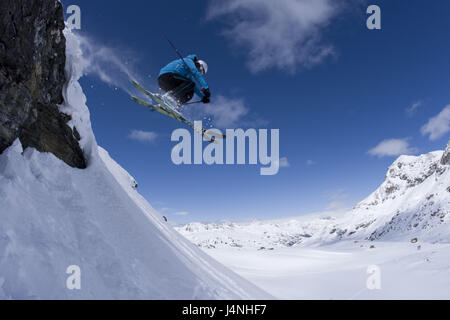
(340, 271)
(413, 201)
(53, 216)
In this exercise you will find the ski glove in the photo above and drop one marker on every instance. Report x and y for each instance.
(207, 96)
(206, 99)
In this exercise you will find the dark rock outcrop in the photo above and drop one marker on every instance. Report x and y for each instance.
(446, 157)
(32, 76)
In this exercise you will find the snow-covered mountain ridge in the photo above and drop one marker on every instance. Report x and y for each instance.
(413, 201)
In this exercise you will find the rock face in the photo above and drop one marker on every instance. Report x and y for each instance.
(32, 62)
(446, 157)
(406, 173)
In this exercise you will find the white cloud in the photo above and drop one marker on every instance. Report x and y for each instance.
(143, 136)
(284, 162)
(310, 162)
(226, 113)
(392, 147)
(335, 205)
(181, 213)
(337, 199)
(283, 34)
(438, 126)
(413, 108)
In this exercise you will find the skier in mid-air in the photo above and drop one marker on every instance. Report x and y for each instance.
(184, 77)
(180, 79)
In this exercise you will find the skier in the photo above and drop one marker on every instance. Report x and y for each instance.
(184, 77)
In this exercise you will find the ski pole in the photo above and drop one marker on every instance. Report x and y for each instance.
(182, 59)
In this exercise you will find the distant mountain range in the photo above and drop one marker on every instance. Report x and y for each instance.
(412, 202)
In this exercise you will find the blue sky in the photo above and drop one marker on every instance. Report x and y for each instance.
(312, 69)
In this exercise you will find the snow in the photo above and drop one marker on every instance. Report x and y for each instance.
(54, 216)
(327, 256)
(339, 271)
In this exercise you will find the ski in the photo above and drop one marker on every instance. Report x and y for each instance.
(189, 124)
(152, 107)
(167, 110)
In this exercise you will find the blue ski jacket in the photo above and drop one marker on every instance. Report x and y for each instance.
(179, 67)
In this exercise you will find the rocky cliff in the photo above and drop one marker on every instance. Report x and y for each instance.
(32, 62)
(446, 157)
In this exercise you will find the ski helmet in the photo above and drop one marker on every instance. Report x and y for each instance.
(203, 67)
